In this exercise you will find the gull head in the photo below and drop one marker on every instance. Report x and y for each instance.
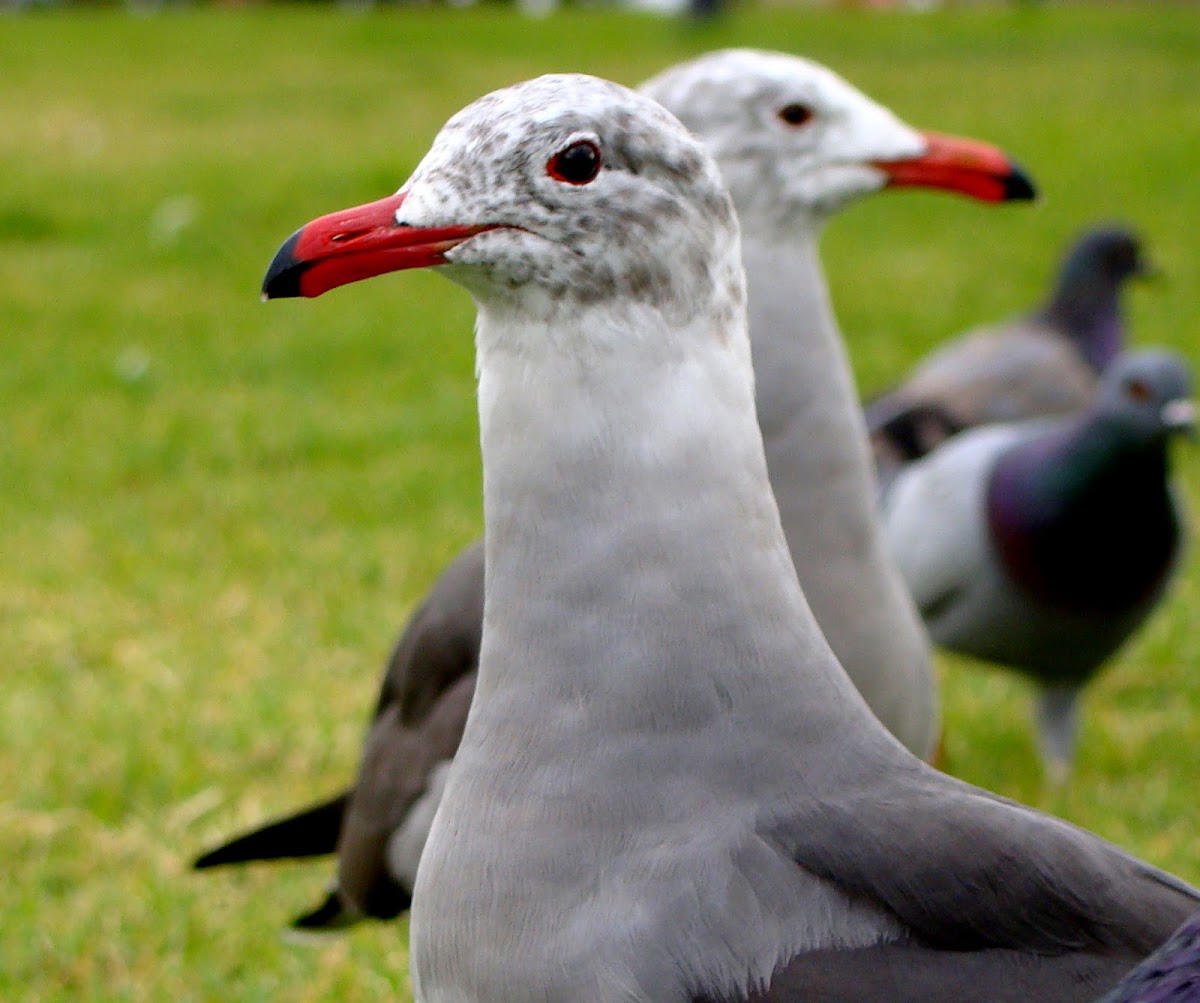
(797, 143)
(545, 198)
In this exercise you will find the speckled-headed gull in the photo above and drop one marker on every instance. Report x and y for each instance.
(1043, 545)
(796, 144)
(667, 789)
(1044, 363)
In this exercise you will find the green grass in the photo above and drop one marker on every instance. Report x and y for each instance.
(214, 514)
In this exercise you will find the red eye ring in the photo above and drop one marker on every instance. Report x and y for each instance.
(1137, 390)
(795, 114)
(578, 164)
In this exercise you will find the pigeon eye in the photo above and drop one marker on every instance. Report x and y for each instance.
(1137, 390)
(578, 164)
(796, 114)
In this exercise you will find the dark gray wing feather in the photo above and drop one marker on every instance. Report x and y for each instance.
(968, 871)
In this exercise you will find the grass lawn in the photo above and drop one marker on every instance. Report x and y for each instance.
(214, 515)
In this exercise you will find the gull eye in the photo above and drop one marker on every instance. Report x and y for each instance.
(1137, 390)
(796, 114)
(578, 164)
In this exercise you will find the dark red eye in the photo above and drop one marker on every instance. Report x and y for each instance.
(578, 164)
(795, 114)
(1138, 390)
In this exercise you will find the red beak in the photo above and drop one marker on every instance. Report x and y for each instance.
(357, 244)
(977, 169)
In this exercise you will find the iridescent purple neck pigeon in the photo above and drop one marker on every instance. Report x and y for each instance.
(1046, 363)
(795, 144)
(1044, 545)
(667, 789)
(1170, 975)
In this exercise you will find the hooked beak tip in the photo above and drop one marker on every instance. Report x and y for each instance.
(282, 280)
(1019, 186)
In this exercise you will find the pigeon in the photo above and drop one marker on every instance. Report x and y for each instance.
(1043, 545)
(1170, 975)
(796, 143)
(667, 788)
(1045, 363)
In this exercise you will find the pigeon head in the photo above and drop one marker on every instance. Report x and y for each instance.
(796, 142)
(548, 196)
(1112, 253)
(1147, 395)
(1085, 303)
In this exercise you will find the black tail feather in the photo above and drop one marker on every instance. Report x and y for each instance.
(312, 832)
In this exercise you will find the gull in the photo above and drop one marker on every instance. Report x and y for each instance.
(667, 788)
(796, 144)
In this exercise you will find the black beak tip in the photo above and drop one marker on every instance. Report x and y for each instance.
(1019, 186)
(283, 275)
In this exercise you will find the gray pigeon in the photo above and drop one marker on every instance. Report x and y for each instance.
(1045, 363)
(667, 789)
(795, 143)
(1043, 545)
(1170, 975)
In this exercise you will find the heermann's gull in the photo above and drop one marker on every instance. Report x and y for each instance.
(796, 143)
(667, 789)
(1045, 363)
(1043, 545)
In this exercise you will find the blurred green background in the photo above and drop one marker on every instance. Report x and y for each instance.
(215, 515)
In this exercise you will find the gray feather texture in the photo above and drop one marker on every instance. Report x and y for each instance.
(785, 182)
(667, 788)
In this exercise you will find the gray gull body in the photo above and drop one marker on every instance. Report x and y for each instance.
(667, 789)
(795, 144)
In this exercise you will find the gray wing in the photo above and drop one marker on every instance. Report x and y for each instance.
(395, 774)
(440, 644)
(910, 973)
(1023, 370)
(965, 870)
(419, 716)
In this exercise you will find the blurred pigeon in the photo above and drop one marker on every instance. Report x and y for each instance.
(1170, 975)
(795, 143)
(667, 789)
(1043, 364)
(1043, 545)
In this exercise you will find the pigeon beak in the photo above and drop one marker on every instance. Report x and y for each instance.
(357, 244)
(1179, 415)
(1147, 269)
(969, 166)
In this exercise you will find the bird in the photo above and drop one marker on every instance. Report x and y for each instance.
(796, 143)
(1046, 362)
(667, 788)
(1170, 975)
(1043, 545)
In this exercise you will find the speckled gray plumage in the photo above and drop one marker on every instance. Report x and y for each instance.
(667, 789)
